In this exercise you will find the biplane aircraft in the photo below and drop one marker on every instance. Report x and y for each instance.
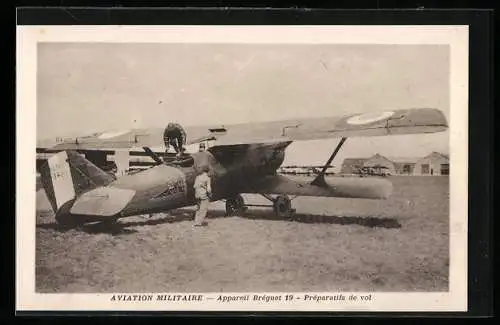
(243, 159)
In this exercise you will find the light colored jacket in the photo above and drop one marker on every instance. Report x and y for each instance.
(202, 187)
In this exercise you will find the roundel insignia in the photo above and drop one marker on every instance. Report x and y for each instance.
(114, 134)
(369, 118)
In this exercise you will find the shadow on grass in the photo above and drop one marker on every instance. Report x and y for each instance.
(91, 228)
(371, 222)
(122, 227)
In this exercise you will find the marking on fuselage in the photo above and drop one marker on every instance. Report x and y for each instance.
(369, 118)
(176, 187)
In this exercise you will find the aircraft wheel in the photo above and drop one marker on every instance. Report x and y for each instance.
(235, 205)
(283, 207)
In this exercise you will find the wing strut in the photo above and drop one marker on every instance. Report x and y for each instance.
(320, 179)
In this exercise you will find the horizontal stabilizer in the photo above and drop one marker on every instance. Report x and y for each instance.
(102, 201)
(342, 187)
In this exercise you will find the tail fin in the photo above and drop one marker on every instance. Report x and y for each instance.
(67, 175)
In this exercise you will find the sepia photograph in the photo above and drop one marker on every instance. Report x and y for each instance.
(246, 173)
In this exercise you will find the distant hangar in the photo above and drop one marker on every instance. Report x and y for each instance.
(434, 164)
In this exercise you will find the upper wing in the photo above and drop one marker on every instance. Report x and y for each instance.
(395, 122)
(119, 139)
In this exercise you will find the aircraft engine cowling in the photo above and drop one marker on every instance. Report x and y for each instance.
(276, 159)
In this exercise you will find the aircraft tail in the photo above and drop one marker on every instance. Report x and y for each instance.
(66, 175)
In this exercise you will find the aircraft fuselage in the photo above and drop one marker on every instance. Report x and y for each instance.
(165, 187)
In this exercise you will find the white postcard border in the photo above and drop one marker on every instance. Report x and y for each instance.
(455, 36)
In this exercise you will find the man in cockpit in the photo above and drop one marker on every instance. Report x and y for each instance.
(174, 135)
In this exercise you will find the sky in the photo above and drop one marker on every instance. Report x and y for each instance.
(90, 87)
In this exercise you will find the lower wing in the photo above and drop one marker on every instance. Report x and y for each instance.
(341, 187)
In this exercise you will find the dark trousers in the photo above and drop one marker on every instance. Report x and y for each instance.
(174, 142)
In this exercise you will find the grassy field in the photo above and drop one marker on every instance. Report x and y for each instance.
(400, 244)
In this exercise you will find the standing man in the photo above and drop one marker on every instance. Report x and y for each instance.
(202, 193)
(174, 135)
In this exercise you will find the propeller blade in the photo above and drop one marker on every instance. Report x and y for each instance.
(153, 155)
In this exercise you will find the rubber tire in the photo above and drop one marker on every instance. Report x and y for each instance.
(235, 205)
(283, 207)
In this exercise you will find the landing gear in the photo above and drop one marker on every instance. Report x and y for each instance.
(235, 205)
(282, 206)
